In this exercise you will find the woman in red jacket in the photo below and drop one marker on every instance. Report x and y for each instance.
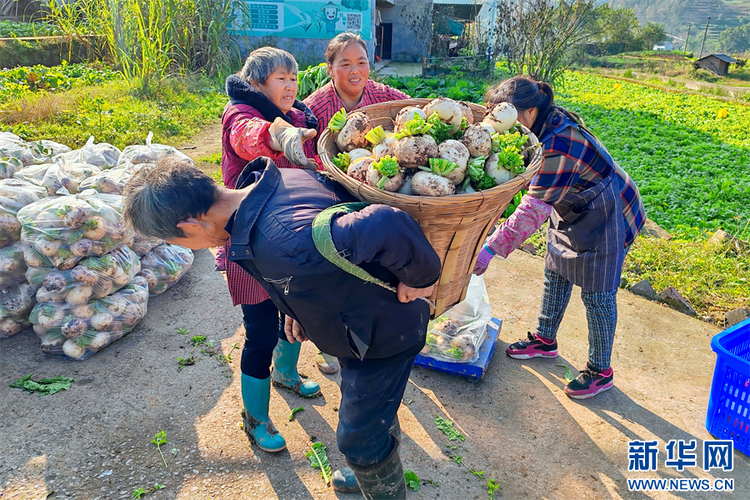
(263, 118)
(350, 88)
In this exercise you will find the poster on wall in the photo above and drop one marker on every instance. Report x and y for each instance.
(302, 19)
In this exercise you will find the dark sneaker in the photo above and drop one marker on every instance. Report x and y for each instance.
(532, 347)
(589, 383)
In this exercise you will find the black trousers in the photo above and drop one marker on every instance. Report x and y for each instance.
(264, 326)
(371, 392)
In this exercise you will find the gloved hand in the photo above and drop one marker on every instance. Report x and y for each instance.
(483, 261)
(289, 140)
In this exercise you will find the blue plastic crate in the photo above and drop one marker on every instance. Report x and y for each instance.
(473, 370)
(729, 403)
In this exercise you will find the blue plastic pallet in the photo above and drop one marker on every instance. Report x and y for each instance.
(474, 370)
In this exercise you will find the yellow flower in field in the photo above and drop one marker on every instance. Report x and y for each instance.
(722, 113)
(618, 86)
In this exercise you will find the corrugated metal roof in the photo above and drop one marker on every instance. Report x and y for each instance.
(722, 57)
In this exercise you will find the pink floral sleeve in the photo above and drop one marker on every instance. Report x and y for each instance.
(528, 217)
(250, 139)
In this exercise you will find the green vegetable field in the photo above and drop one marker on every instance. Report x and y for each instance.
(689, 154)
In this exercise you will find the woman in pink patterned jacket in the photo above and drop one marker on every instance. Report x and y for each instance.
(350, 88)
(264, 118)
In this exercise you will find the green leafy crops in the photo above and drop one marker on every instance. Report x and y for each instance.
(689, 155)
(23, 80)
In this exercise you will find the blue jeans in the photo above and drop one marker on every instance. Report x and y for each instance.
(371, 392)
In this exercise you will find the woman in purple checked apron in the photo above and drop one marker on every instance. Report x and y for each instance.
(595, 212)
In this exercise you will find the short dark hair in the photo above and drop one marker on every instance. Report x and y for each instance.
(160, 196)
(340, 42)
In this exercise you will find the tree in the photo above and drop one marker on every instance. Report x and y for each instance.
(735, 40)
(537, 37)
(617, 29)
(652, 34)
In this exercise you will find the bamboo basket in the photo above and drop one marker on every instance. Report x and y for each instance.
(457, 225)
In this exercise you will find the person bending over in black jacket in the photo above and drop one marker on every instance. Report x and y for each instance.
(317, 257)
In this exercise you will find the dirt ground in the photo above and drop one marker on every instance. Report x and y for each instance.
(94, 440)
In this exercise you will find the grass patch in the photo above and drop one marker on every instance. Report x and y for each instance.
(215, 174)
(111, 113)
(211, 165)
(713, 276)
(214, 159)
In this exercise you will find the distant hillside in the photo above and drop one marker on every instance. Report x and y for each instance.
(676, 15)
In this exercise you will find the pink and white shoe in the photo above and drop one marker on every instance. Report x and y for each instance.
(589, 383)
(532, 347)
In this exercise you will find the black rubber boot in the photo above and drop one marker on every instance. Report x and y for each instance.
(384, 480)
(344, 480)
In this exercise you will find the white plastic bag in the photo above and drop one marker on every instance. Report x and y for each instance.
(456, 335)
(14, 195)
(164, 266)
(15, 305)
(102, 155)
(60, 231)
(149, 153)
(12, 265)
(31, 153)
(79, 331)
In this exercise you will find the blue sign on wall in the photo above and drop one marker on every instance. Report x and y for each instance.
(307, 19)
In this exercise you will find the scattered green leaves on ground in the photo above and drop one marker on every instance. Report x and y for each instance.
(447, 427)
(159, 439)
(140, 492)
(492, 487)
(412, 480)
(319, 460)
(295, 410)
(182, 331)
(569, 377)
(44, 386)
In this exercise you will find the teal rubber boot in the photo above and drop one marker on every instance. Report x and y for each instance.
(256, 394)
(285, 374)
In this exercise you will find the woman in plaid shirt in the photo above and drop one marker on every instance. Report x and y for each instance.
(595, 213)
(264, 118)
(350, 88)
